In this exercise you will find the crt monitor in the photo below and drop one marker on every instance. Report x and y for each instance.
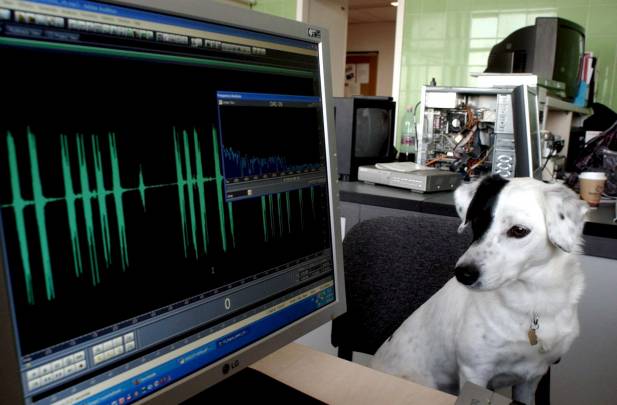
(166, 196)
(551, 49)
(364, 132)
(526, 123)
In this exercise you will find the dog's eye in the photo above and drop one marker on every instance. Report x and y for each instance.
(518, 232)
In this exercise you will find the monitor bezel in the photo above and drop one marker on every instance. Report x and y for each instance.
(10, 377)
(525, 146)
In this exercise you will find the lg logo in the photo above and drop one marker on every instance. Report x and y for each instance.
(230, 366)
(314, 33)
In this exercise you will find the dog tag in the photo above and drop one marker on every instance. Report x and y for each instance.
(535, 325)
(533, 338)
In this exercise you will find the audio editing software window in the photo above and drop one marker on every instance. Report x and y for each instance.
(292, 155)
(163, 194)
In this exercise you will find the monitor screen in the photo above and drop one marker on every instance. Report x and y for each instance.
(551, 49)
(373, 132)
(364, 132)
(165, 196)
(570, 47)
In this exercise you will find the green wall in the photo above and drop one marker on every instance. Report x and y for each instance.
(280, 8)
(448, 39)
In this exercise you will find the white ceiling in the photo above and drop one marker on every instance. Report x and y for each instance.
(371, 11)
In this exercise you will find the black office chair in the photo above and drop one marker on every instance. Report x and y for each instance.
(392, 266)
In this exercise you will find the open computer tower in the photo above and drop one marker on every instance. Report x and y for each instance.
(477, 131)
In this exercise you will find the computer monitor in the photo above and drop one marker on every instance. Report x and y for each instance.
(364, 132)
(551, 49)
(167, 196)
(526, 123)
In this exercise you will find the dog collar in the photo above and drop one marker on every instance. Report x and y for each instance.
(533, 327)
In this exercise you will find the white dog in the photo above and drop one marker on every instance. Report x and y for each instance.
(511, 310)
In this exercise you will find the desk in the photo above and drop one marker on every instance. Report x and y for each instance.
(360, 201)
(337, 381)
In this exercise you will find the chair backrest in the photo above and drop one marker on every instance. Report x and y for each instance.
(392, 266)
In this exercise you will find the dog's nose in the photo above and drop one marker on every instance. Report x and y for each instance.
(467, 274)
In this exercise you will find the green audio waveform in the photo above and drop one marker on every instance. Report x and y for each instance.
(230, 212)
(186, 180)
(87, 195)
(70, 205)
(88, 187)
(288, 206)
(190, 184)
(272, 221)
(301, 202)
(191, 181)
(263, 217)
(39, 201)
(219, 187)
(313, 202)
(280, 212)
(19, 204)
(271, 211)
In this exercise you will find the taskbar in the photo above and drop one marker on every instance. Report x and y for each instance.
(143, 376)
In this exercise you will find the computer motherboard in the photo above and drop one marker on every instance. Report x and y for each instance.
(467, 130)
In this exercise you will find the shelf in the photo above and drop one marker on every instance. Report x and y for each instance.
(560, 105)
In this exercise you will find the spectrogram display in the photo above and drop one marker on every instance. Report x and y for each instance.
(262, 140)
(238, 164)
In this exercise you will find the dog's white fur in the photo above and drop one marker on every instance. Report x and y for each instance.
(479, 333)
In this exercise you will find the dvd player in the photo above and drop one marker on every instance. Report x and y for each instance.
(425, 180)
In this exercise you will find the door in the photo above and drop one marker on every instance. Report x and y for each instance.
(361, 74)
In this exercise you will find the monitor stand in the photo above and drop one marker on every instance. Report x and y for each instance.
(253, 387)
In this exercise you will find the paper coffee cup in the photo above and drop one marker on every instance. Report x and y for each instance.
(592, 186)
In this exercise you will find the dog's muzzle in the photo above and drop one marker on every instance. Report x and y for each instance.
(467, 274)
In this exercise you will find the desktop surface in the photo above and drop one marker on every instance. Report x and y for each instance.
(599, 233)
(337, 381)
(252, 387)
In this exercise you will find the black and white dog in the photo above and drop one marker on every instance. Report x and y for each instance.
(511, 310)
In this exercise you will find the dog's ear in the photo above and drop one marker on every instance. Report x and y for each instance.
(565, 214)
(462, 197)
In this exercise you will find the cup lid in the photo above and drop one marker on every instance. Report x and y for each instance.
(593, 175)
